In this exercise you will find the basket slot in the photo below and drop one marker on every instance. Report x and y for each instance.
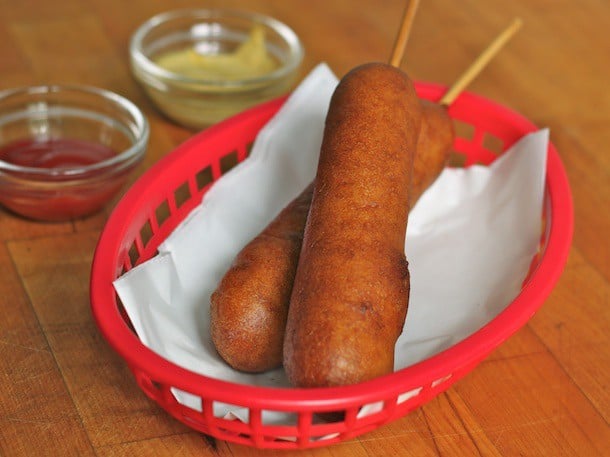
(438, 382)
(137, 250)
(132, 255)
(204, 178)
(228, 161)
(493, 144)
(206, 422)
(463, 129)
(408, 401)
(413, 393)
(249, 432)
(289, 418)
(162, 213)
(239, 410)
(331, 432)
(457, 160)
(182, 194)
(328, 426)
(146, 233)
(378, 413)
(281, 432)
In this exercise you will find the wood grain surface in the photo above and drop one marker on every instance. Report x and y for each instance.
(545, 392)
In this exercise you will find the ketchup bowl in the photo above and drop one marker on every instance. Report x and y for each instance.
(65, 151)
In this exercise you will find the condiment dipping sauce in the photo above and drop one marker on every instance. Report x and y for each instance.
(65, 151)
(250, 60)
(55, 153)
(201, 66)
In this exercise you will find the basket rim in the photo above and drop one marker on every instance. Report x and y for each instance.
(432, 369)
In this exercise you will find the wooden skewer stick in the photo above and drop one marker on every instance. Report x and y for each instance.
(403, 33)
(481, 61)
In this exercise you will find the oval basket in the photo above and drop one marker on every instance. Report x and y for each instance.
(165, 195)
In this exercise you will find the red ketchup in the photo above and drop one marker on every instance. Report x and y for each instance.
(58, 153)
(59, 201)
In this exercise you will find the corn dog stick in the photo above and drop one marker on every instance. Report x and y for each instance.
(480, 62)
(403, 33)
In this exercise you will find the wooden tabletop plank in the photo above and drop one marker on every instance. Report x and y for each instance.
(36, 408)
(586, 161)
(555, 413)
(189, 444)
(567, 330)
(53, 270)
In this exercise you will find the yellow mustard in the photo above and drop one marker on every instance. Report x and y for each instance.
(249, 60)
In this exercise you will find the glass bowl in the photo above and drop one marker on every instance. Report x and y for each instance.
(200, 66)
(66, 150)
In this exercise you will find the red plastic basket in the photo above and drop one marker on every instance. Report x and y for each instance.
(165, 195)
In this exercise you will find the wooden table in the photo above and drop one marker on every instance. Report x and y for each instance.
(544, 392)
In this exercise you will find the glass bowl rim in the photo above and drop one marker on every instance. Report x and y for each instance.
(142, 63)
(126, 157)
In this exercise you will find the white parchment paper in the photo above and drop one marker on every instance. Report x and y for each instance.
(470, 241)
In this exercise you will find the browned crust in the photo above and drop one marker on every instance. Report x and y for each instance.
(351, 289)
(249, 307)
